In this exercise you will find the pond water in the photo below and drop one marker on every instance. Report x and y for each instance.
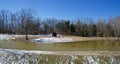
(18, 57)
(71, 46)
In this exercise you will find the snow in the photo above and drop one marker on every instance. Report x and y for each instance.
(43, 38)
(5, 37)
(52, 40)
(9, 36)
(16, 51)
(14, 56)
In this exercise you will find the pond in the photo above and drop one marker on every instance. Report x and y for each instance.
(69, 46)
(9, 53)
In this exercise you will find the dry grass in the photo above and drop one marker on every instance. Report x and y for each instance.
(78, 38)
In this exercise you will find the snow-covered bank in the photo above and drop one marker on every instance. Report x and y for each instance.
(81, 53)
(37, 38)
(15, 51)
(47, 38)
(13, 37)
(13, 56)
(52, 40)
(9, 36)
(6, 37)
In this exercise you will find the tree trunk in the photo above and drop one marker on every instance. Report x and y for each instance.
(118, 38)
(27, 33)
(26, 36)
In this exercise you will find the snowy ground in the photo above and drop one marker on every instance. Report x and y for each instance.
(81, 53)
(52, 40)
(13, 56)
(37, 38)
(9, 36)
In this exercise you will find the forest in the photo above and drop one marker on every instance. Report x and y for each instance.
(27, 21)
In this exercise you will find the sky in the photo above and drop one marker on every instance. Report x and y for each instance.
(66, 9)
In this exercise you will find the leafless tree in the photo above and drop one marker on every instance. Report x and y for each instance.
(26, 17)
(14, 23)
(116, 26)
(4, 20)
(101, 26)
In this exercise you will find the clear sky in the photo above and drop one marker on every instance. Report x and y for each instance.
(66, 9)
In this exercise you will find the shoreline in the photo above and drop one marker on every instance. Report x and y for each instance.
(80, 53)
(75, 38)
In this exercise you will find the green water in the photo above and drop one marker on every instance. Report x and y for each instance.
(72, 46)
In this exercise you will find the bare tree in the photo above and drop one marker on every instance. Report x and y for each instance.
(14, 23)
(116, 26)
(78, 28)
(26, 17)
(4, 20)
(50, 24)
(102, 30)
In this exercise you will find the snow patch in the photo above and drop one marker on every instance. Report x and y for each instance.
(15, 51)
(5, 37)
(52, 40)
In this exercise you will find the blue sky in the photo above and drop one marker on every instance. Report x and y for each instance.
(66, 9)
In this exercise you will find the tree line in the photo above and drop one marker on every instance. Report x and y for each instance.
(26, 21)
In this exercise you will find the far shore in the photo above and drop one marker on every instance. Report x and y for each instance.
(75, 38)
